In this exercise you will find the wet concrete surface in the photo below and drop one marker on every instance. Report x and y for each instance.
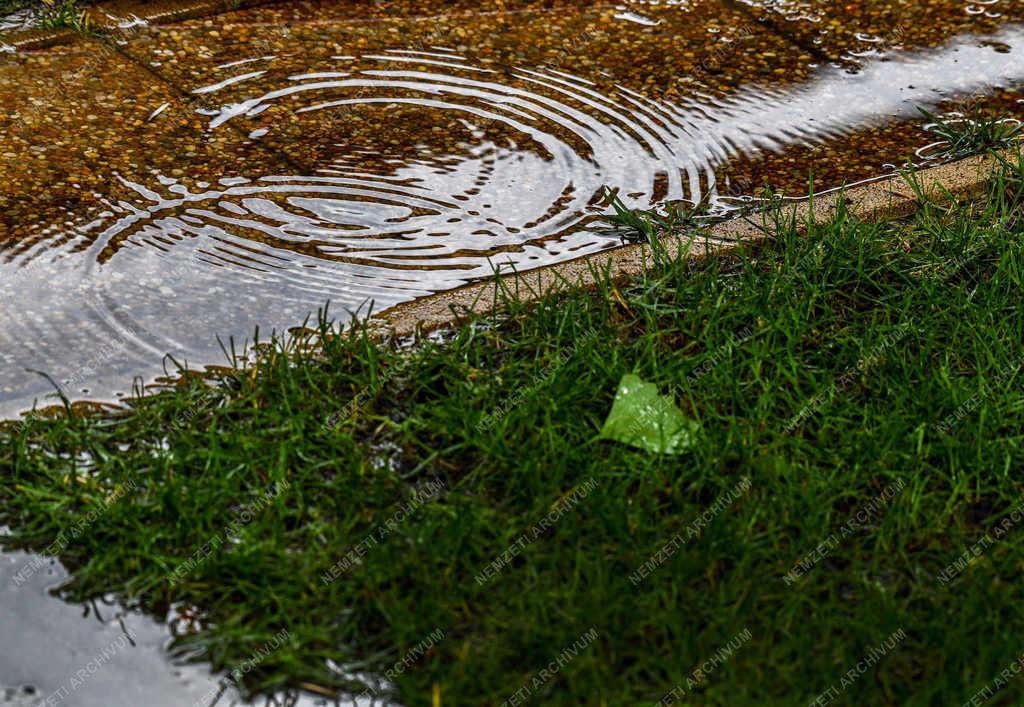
(69, 129)
(853, 31)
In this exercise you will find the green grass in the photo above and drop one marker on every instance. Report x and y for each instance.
(974, 132)
(649, 225)
(64, 13)
(9, 6)
(865, 379)
(52, 14)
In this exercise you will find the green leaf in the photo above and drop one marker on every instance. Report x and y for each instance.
(640, 417)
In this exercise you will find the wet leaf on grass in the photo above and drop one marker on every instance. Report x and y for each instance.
(643, 418)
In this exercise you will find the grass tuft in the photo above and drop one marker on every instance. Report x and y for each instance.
(8, 7)
(973, 133)
(53, 14)
(649, 225)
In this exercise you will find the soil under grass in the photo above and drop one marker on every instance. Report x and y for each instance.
(447, 515)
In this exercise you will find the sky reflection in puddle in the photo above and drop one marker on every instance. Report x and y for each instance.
(165, 268)
(84, 656)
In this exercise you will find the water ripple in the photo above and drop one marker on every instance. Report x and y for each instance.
(168, 267)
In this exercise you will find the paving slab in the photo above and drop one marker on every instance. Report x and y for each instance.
(847, 128)
(128, 14)
(333, 11)
(673, 51)
(465, 110)
(95, 150)
(75, 118)
(854, 31)
(36, 184)
(20, 31)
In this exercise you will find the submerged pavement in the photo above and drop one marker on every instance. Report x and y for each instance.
(169, 184)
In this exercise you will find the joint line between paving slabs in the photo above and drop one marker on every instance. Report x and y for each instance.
(190, 100)
(773, 27)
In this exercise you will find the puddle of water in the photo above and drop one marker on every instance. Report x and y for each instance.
(854, 158)
(630, 16)
(500, 168)
(83, 656)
